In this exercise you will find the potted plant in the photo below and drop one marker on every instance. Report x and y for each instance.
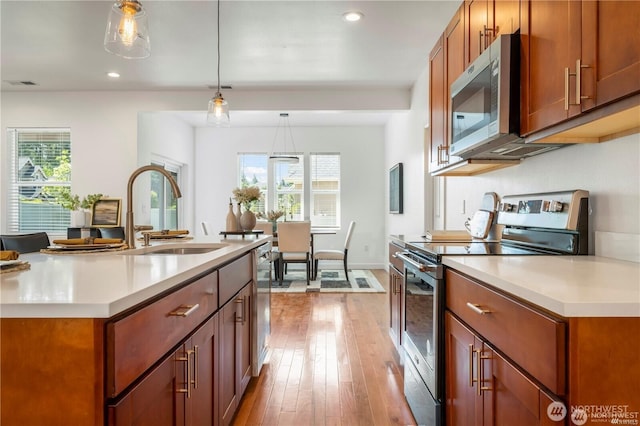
(78, 208)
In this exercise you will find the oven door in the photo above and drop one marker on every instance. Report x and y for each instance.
(422, 328)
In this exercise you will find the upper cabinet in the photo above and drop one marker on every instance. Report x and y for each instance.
(446, 63)
(576, 56)
(485, 20)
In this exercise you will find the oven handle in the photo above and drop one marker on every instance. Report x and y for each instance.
(421, 267)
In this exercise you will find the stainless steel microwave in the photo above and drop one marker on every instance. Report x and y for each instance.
(485, 106)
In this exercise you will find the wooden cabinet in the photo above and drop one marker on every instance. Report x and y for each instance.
(446, 63)
(483, 388)
(396, 296)
(235, 353)
(610, 51)
(507, 361)
(574, 58)
(180, 391)
(485, 20)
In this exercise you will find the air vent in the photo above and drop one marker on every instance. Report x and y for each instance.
(20, 83)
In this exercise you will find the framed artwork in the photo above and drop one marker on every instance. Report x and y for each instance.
(395, 189)
(106, 212)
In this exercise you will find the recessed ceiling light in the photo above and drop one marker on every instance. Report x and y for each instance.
(352, 16)
(113, 74)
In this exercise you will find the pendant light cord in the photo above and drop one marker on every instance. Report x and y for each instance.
(218, 47)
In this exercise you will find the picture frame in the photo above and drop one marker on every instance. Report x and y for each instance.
(396, 189)
(106, 212)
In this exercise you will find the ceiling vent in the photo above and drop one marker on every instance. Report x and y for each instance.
(20, 83)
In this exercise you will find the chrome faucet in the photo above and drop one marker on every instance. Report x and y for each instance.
(130, 227)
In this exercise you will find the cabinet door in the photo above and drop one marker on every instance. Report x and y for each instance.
(610, 51)
(201, 404)
(153, 401)
(243, 323)
(550, 33)
(477, 23)
(464, 405)
(510, 398)
(506, 18)
(437, 106)
(228, 390)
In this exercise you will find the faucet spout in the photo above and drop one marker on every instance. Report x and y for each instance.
(129, 227)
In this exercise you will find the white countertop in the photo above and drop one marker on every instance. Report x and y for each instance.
(100, 285)
(570, 286)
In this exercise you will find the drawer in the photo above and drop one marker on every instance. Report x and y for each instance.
(393, 248)
(234, 276)
(137, 341)
(532, 339)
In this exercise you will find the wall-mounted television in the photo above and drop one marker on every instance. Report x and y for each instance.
(395, 189)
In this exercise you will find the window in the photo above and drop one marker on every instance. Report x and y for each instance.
(40, 172)
(325, 189)
(288, 186)
(164, 205)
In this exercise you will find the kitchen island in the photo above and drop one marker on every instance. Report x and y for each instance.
(126, 337)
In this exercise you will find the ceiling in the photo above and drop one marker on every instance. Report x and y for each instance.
(264, 45)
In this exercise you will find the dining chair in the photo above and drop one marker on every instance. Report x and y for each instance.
(205, 228)
(294, 245)
(335, 254)
(25, 243)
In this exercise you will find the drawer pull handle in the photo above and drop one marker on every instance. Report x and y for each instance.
(184, 311)
(477, 309)
(240, 319)
(471, 379)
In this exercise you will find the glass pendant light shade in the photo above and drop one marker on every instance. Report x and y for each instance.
(127, 33)
(218, 112)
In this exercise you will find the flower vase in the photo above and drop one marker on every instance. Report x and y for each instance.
(78, 218)
(248, 220)
(238, 214)
(274, 226)
(232, 222)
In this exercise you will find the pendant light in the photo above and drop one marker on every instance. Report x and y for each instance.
(218, 110)
(284, 157)
(127, 33)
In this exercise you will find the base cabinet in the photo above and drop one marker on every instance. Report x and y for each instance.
(483, 388)
(235, 354)
(180, 391)
(396, 296)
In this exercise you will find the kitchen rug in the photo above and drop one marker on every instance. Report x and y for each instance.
(328, 281)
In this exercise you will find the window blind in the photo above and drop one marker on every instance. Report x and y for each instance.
(40, 170)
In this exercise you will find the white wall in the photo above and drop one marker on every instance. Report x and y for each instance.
(362, 179)
(404, 143)
(610, 171)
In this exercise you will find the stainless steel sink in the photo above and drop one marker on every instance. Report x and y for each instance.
(176, 249)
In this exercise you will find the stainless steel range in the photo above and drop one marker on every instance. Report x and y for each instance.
(533, 224)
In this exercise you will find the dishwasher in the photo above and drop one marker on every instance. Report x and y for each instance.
(262, 257)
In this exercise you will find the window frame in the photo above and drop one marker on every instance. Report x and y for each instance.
(13, 209)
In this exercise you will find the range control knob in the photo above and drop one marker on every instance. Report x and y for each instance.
(552, 206)
(506, 207)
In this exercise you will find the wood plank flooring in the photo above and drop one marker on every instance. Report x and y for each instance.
(331, 362)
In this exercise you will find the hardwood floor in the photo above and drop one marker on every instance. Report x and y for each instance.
(332, 362)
